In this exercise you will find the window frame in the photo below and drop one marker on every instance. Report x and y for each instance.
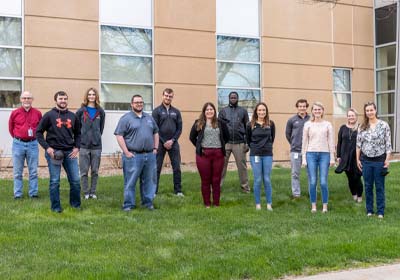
(21, 48)
(127, 55)
(334, 91)
(258, 63)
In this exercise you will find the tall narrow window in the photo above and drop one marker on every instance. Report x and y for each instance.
(238, 63)
(238, 52)
(126, 53)
(385, 63)
(341, 91)
(10, 54)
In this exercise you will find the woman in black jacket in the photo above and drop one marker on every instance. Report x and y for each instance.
(346, 154)
(209, 135)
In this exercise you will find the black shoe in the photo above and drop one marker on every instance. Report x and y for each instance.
(58, 210)
(35, 196)
(17, 197)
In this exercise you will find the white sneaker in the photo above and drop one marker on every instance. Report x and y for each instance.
(93, 196)
(86, 196)
(180, 194)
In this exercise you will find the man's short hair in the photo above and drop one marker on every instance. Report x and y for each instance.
(136, 95)
(302, 101)
(60, 93)
(168, 90)
(233, 92)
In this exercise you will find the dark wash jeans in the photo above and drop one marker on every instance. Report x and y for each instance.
(71, 168)
(371, 171)
(175, 157)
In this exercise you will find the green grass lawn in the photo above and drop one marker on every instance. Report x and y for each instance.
(183, 240)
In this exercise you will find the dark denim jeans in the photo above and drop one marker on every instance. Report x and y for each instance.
(20, 152)
(175, 157)
(71, 168)
(372, 174)
(143, 166)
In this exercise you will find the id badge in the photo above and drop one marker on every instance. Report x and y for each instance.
(296, 155)
(256, 159)
(30, 132)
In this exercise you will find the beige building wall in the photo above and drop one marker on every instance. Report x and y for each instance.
(301, 44)
(184, 59)
(61, 50)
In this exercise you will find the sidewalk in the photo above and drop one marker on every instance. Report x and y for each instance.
(386, 272)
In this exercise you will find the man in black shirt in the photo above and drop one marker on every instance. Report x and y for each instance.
(62, 145)
(169, 121)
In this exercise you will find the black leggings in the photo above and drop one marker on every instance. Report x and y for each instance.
(355, 184)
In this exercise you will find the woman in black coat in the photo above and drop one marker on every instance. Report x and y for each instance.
(346, 154)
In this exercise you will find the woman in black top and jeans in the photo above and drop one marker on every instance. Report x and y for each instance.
(260, 132)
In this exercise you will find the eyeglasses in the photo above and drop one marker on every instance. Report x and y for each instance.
(26, 98)
(138, 102)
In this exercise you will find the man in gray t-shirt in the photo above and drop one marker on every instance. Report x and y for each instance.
(294, 135)
(137, 135)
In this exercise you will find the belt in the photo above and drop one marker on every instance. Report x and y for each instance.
(141, 152)
(24, 140)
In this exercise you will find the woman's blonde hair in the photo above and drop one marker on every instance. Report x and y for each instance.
(319, 104)
(356, 125)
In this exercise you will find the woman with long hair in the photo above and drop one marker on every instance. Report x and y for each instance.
(209, 135)
(346, 154)
(92, 118)
(318, 154)
(260, 133)
(373, 153)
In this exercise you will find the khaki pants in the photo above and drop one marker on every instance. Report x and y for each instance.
(238, 151)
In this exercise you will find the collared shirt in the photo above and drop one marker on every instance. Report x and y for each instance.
(21, 121)
(137, 131)
(294, 132)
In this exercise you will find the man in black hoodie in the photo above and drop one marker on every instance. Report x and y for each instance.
(62, 147)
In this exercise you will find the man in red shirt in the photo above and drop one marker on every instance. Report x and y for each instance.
(22, 126)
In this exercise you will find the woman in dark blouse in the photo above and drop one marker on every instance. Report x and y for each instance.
(260, 133)
(346, 154)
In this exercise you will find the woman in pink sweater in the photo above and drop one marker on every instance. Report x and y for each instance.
(318, 154)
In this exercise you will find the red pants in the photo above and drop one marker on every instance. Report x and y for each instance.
(210, 166)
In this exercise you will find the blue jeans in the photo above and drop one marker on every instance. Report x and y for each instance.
(371, 172)
(318, 161)
(20, 152)
(143, 166)
(262, 172)
(71, 168)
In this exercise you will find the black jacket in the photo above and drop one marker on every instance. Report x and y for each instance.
(236, 118)
(91, 129)
(63, 130)
(169, 123)
(197, 136)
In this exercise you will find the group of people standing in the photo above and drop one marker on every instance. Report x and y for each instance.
(363, 150)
